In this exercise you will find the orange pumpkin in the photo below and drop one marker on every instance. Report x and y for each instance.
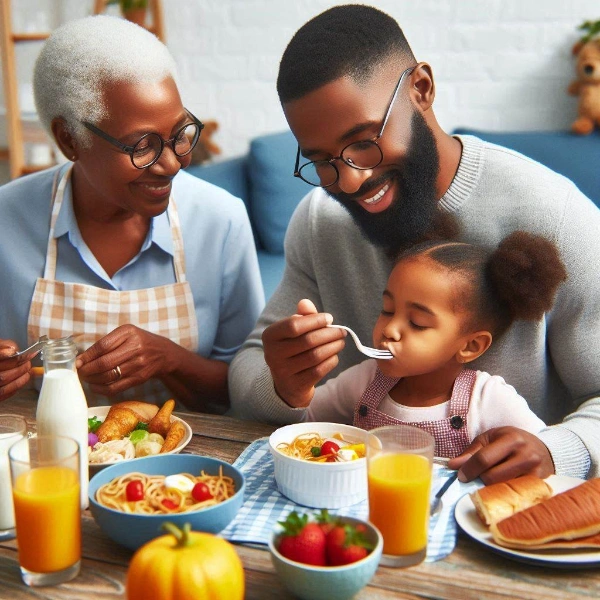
(185, 565)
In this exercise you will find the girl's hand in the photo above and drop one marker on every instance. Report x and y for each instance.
(503, 453)
(13, 373)
(126, 357)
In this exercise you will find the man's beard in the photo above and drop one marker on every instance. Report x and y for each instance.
(411, 217)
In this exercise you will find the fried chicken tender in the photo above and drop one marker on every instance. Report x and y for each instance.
(118, 423)
(162, 420)
(144, 410)
(174, 436)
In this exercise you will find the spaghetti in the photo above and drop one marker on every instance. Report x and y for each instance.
(303, 445)
(113, 494)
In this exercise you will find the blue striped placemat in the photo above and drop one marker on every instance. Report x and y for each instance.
(264, 505)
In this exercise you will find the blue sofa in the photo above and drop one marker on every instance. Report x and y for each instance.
(263, 180)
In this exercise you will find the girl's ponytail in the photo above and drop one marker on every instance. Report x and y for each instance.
(525, 271)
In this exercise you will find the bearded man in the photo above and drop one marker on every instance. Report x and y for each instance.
(386, 176)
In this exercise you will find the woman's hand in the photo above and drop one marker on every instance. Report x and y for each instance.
(300, 351)
(126, 357)
(503, 453)
(14, 372)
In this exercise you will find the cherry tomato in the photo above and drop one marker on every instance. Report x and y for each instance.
(201, 492)
(134, 491)
(329, 448)
(169, 504)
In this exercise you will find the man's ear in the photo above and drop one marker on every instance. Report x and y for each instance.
(422, 86)
(64, 139)
(476, 344)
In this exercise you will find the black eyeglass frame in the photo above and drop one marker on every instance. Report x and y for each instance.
(129, 149)
(298, 169)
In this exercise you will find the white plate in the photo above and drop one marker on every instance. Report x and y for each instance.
(469, 522)
(101, 411)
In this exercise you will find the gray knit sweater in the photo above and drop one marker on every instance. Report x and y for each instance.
(554, 364)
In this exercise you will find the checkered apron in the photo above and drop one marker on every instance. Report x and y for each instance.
(59, 308)
(450, 433)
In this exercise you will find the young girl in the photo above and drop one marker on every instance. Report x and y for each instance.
(444, 304)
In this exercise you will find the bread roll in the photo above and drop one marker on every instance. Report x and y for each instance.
(589, 541)
(144, 410)
(501, 500)
(571, 515)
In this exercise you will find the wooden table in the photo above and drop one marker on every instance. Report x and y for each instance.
(471, 572)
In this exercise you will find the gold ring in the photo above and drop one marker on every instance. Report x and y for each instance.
(117, 372)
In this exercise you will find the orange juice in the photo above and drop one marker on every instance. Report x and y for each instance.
(399, 487)
(48, 519)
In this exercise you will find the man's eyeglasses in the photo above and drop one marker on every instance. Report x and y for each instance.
(362, 155)
(147, 150)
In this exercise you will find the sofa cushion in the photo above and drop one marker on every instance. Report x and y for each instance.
(574, 156)
(229, 174)
(271, 270)
(274, 191)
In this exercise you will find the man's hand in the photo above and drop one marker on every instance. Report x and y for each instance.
(300, 351)
(503, 453)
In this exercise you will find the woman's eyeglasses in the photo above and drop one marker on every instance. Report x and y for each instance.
(147, 150)
(363, 155)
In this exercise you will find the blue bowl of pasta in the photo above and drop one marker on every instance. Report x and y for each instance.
(131, 500)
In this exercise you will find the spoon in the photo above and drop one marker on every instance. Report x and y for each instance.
(436, 505)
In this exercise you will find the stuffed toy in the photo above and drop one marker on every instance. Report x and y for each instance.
(205, 148)
(587, 84)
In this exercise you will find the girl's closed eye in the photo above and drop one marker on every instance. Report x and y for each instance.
(387, 313)
(418, 327)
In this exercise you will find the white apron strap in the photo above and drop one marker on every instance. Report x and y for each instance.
(58, 192)
(178, 253)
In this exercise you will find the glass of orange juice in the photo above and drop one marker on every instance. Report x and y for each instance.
(45, 479)
(399, 468)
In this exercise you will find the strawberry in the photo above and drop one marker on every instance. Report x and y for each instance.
(345, 545)
(325, 521)
(302, 541)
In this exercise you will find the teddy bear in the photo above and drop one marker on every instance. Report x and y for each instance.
(205, 148)
(587, 86)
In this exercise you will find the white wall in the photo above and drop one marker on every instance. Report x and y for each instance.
(499, 64)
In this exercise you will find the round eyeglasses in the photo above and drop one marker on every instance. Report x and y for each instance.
(362, 155)
(148, 149)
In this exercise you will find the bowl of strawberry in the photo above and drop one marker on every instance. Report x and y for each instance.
(325, 557)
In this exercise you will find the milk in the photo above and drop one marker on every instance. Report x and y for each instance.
(62, 407)
(7, 513)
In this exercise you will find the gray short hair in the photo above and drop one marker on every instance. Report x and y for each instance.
(81, 57)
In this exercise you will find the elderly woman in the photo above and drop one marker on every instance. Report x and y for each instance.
(154, 271)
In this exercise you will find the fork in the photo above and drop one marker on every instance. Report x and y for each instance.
(371, 352)
(33, 350)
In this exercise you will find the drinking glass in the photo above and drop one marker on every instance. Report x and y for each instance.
(45, 478)
(399, 468)
(12, 429)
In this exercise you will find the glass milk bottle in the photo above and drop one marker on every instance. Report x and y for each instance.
(62, 408)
